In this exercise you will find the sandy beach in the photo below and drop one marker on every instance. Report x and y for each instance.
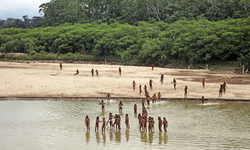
(47, 80)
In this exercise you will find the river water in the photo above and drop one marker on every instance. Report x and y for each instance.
(59, 125)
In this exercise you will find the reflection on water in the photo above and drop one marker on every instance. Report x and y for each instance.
(28, 125)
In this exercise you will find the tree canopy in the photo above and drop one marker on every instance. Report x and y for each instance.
(195, 41)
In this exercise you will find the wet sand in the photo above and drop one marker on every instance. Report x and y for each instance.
(46, 80)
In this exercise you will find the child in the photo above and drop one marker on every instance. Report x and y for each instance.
(103, 124)
(87, 122)
(150, 124)
(165, 123)
(96, 73)
(120, 106)
(127, 121)
(160, 123)
(115, 123)
(97, 123)
(159, 96)
(135, 109)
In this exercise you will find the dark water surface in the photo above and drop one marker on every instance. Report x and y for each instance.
(59, 125)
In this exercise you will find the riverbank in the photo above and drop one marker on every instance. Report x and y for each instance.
(46, 80)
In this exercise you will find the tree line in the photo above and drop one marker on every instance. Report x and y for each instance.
(19, 23)
(132, 12)
(195, 41)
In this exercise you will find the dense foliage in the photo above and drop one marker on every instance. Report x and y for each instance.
(57, 12)
(195, 41)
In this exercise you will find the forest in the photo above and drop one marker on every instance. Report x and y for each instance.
(137, 31)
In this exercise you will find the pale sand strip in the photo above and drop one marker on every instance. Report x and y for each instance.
(46, 80)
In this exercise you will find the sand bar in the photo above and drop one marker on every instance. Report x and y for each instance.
(46, 81)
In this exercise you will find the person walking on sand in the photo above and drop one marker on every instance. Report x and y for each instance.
(140, 91)
(133, 85)
(220, 90)
(162, 77)
(224, 87)
(97, 73)
(87, 122)
(203, 83)
(120, 71)
(152, 66)
(185, 92)
(174, 82)
(92, 72)
(77, 72)
(150, 84)
(60, 66)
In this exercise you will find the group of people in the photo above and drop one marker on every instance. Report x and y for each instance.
(144, 120)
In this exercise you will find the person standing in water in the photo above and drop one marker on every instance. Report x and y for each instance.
(127, 121)
(165, 124)
(87, 122)
(108, 97)
(103, 124)
(103, 105)
(97, 123)
(159, 123)
(120, 106)
(135, 109)
(202, 100)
